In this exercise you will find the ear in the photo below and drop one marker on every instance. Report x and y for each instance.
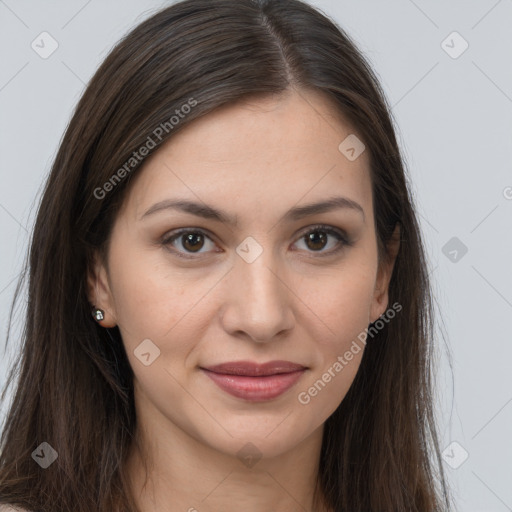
(99, 291)
(384, 273)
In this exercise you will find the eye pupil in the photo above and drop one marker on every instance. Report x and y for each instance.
(313, 237)
(190, 241)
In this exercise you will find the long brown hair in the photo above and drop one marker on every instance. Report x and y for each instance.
(74, 390)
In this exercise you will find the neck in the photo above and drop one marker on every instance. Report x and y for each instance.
(184, 474)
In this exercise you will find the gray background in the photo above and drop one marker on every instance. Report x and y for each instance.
(453, 117)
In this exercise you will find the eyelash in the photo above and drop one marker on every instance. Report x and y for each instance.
(344, 240)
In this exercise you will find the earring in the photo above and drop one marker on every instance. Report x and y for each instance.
(98, 314)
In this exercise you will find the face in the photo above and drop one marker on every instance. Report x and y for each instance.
(267, 281)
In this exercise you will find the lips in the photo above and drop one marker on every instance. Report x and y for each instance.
(250, 369)
(255, 382)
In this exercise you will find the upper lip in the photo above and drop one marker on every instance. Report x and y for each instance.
(252, 369)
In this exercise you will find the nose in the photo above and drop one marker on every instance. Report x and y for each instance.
(258, 301)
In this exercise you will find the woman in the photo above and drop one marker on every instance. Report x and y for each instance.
(228, 298)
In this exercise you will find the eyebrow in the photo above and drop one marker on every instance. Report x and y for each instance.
(296, 213)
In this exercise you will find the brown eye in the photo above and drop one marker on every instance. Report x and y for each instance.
(316, 239)
(188, 241)
(192, 241)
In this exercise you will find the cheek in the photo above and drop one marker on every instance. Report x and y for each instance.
(341, 299)
(339, 303)
(147, 299)
(156, 301)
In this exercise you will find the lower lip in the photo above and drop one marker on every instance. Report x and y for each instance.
(255, 389)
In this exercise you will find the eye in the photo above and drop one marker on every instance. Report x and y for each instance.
(192, 240)
(317, 238)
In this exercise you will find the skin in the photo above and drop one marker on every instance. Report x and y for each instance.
(255, 159)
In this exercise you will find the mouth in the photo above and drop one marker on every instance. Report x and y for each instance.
(252, 369)
(255, 382)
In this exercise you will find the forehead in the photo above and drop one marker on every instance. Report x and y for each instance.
(262, 151)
